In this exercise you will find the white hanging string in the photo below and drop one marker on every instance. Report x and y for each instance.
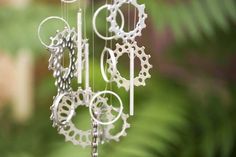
(86, 51)
(65, 4)
(85, 24)
(87, 80)
(135, 17)
(67, 12)
(106, 45)
(66, 17)
(93, 46)
(61, 9)
(111, 46)
(63, 16)
(128, 17)
(106, 24)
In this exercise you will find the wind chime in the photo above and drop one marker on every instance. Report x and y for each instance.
(101, 111)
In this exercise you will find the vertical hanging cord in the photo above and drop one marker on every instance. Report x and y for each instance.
(85, 25)
(93, 46)
(61, 10)
(128, 17)
(84, 12)
(67, 12)
(106, 44)
(111, 46)
(66, 17)
(135, 17)
(63, 16)
(106, 24)
(63, 4)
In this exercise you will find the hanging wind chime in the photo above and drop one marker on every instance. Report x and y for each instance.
(101, 111)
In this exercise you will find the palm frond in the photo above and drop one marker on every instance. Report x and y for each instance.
(192, 17)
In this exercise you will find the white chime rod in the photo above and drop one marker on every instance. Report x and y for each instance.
(86, 66)
(87, 70)
(79, 46)
(132, 82)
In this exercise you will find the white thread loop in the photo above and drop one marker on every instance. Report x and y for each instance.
(113, 60)
(91, 108)
(44, 21)
(108, 6)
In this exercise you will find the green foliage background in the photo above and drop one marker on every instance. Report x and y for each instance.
(186, 110)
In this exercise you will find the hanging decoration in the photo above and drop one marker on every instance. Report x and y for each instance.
(103, 113)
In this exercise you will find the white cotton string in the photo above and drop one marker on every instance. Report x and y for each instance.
(63, 16)
(111, 46)
(67, 12)
(84, 33)
(135, 17)
(106, 44)
(128, 17)
(106, 24)
(61, 9)
(85, 25)
(93, 46)
(65, 5)
(86, 49)
(86, 46)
